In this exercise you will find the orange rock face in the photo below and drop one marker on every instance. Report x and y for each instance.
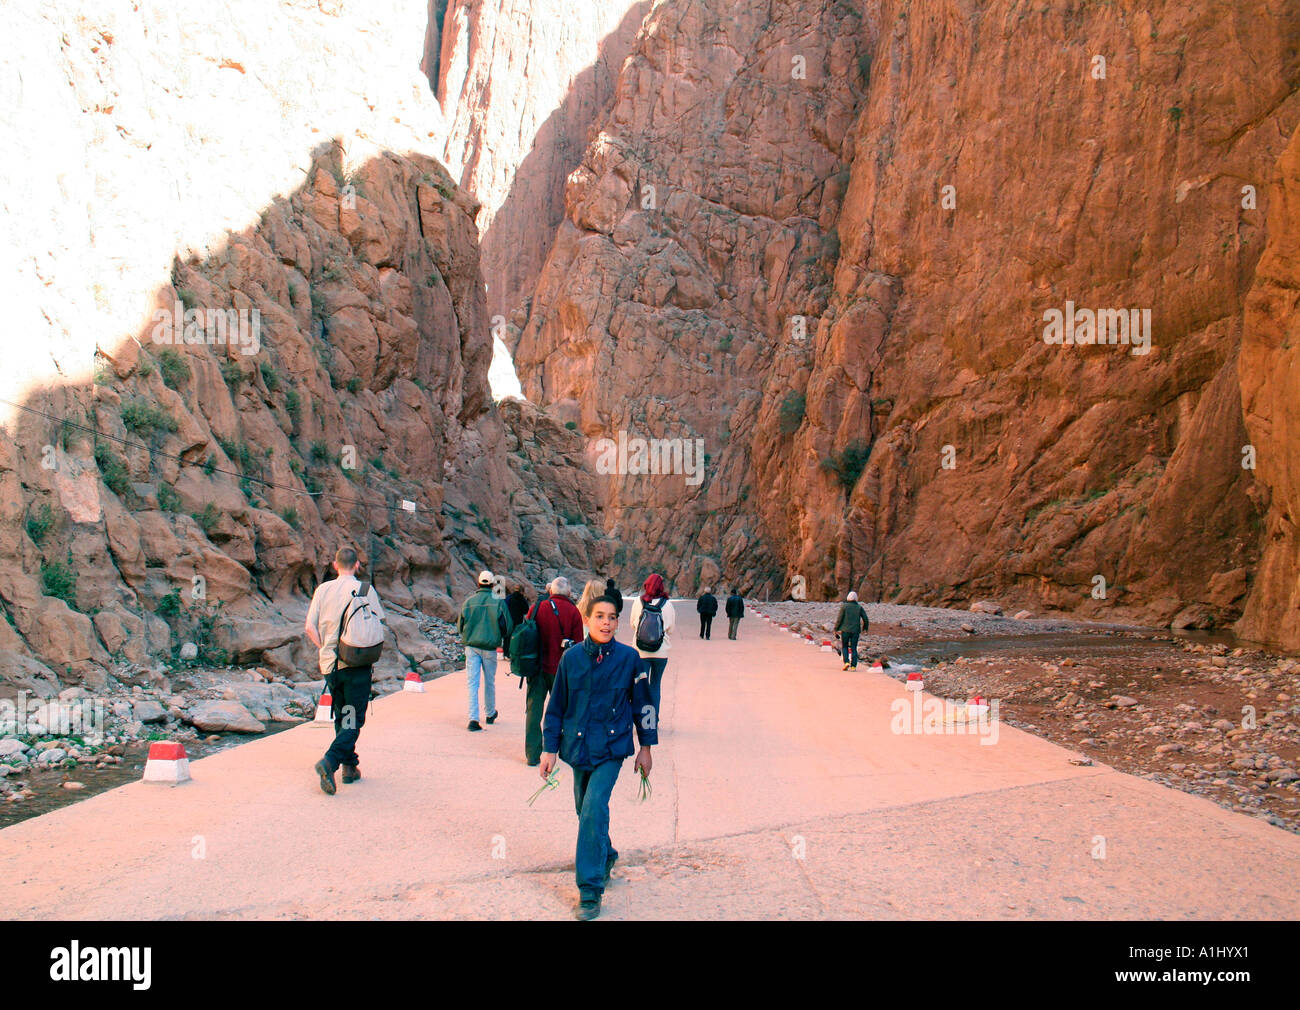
(1269, 349)
(833, 242)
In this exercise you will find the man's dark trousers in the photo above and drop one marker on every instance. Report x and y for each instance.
(735, 624)
(350, 692)
(591, 791)
(539, 686)
(850, 648)
(706, 625)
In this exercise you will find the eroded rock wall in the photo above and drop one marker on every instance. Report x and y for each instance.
(1270, 343)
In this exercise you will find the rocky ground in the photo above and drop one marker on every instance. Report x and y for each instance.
(206, 708)
(1212, 720)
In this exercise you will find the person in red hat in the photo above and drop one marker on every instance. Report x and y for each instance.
(652, 620)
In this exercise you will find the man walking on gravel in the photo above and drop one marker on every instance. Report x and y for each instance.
(735, 611)
(349, 687)
(706, 606)
(851, 622)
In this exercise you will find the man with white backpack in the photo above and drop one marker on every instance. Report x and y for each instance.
(345, 622)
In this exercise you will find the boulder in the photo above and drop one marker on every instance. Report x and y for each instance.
(247, 639)
(985, 607)
(28, 674)
(222, 717)
(11, 746)
(122, 632)
(149, 711)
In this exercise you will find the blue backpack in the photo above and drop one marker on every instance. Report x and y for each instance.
(650, 628)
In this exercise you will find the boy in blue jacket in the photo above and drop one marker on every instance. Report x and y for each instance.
(600, 695)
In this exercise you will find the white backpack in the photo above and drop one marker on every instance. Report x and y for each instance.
(361, 632)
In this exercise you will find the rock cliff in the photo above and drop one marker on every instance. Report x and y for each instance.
(864, 218)
(1270, 343)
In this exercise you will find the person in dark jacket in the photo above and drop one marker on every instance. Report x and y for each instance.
(517, 604)
(614, 595)
(601, 694)
(558, 626)
(735, 611)
(851, 622)
(706, 606)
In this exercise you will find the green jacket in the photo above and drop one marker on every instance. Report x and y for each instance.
(852, 619)
(482, 620)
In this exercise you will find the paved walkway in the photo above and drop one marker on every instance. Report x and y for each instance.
(780, 792)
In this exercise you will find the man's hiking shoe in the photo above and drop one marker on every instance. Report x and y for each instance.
(845, 666)
(492, 718)
(351, 773)
(588, 908)
(326, 778)
(609, 865)
(474, 727)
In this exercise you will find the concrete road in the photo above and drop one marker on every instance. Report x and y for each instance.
(780, 792)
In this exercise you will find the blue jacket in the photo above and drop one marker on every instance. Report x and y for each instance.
(594, 707)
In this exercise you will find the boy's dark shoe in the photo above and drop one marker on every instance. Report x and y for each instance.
(326, 778)
(533, 764)
(351, 773)
(492, 718)
(588, 907)
(474, 727)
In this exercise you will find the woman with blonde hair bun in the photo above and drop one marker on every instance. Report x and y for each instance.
(591, 592)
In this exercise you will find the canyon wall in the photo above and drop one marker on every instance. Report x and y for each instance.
(1268, 369)
(865, 215)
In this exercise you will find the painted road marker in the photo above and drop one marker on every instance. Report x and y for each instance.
(167, 763)
(323, 716)
(413, 683)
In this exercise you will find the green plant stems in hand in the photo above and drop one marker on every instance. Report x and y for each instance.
(551, 782)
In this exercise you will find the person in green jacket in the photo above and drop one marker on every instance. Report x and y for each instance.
(484, 625)
(851, 623)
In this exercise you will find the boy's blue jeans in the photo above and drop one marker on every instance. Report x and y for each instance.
(592, 788)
